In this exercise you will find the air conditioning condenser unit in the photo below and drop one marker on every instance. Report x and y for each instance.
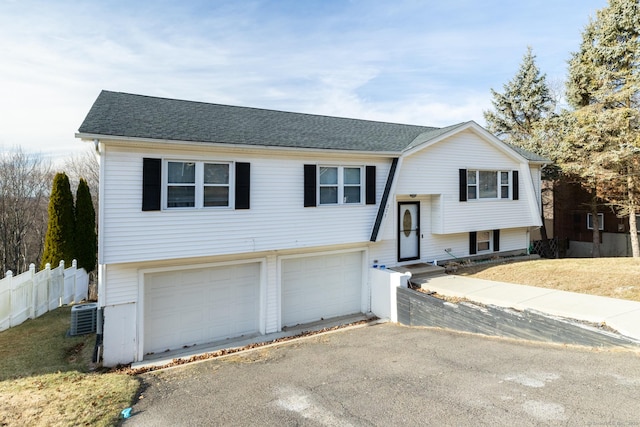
(83, 319)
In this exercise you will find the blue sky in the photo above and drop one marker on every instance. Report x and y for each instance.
(408, 61)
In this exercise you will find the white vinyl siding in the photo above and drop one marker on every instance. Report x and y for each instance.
(432, 247)
(277, 219)
(440, 178)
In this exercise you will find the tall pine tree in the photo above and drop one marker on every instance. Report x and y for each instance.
(85, 237)
(525, 102)
(603, 149)
(519, 113)
(59, 240)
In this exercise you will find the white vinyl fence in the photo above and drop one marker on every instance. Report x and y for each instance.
(30, 294)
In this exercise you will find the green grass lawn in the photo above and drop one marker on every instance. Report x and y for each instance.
(46, 378)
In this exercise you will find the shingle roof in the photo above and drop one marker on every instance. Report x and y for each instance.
(532, 157)
(138, 116)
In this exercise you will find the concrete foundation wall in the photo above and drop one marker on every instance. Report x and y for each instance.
(612, 245)
(383, 292)
(420, 309)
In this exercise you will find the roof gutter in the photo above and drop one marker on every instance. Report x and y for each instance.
(384, 203)
(229, 146)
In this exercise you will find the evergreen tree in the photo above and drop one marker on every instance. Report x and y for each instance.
(603, 146)
(519, 114)
(59, 242)
(85, 237)
(526, 101)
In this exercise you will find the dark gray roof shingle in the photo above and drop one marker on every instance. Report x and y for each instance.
(138, 116)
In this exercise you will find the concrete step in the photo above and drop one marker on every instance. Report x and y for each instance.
(420, 269)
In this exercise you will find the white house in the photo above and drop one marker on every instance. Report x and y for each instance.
(219, 221)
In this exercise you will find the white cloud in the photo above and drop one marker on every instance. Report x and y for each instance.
(406, 61)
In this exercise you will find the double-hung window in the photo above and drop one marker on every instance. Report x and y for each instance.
(483, 241)
(197, 184)
(181, 184)
(488, 184)
(340, 185)
(216, 184)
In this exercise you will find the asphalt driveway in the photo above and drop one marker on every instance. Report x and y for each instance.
(385, 375)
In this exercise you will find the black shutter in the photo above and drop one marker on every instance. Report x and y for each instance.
(151, 184)
(310, 198)
(370, 182)
(516, 185)
(243, 185)
(463, 185)
(496, 240)
(473, 243)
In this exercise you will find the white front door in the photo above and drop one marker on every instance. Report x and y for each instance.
(408, 231)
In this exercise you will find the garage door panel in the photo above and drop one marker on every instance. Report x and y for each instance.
(320, 287)
(201, 305)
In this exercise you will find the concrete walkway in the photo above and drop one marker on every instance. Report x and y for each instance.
(621, 315)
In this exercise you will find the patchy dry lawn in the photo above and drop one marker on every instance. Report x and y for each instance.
(609, 277)
(46, 378)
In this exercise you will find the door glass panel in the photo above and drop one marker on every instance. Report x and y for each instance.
(407, 222)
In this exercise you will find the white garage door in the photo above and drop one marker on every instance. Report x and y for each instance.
(321, 287)
(197, 306)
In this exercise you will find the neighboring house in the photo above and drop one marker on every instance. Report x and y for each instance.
(573, 224)
(219, 221)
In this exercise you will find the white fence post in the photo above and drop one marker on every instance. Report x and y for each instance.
(34, 291)
(31, 294)
(69, 280)
(56, 286)
(41, 290)
(5, 301)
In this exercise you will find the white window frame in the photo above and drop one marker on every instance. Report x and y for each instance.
(488, 241)
(600, 220)
(199, 184)
(499, 184)
(341, 185)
